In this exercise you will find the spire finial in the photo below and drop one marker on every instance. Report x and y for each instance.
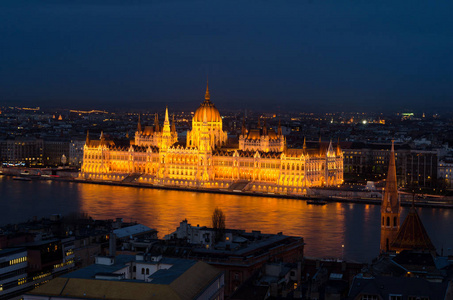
(87, 142)
(166, 114)
(207, 97)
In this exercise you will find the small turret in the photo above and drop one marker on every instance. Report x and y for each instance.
(339, 152)
(304, 148)
(139, 125)
(87, 142)
(330, 151)
(173, 125)
(102, 138)
(243, 130)
(156, 123)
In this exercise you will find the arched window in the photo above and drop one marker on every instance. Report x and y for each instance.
(143, 270)
(147, 271)
(394, 221)
(388, 221)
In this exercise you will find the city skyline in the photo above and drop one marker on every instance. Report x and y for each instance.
(298, 55)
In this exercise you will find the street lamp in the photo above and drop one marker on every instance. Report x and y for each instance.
(342, 252)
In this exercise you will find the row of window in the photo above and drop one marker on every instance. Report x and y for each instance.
(17, 260)
(388, 221)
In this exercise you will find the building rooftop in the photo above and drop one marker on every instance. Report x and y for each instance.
(9, 251)
(412, 234)
(185, 279)
(387, 285)
(131, 230)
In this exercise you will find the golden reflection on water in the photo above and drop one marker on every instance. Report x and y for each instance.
(323, 226)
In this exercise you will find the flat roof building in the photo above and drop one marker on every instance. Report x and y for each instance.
(141, 276)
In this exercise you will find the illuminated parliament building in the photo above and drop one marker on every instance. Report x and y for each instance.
(260, 163)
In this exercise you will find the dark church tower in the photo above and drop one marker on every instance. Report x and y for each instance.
(390, 207)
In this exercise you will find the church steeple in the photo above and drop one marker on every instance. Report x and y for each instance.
(390, 207)
(391, 189)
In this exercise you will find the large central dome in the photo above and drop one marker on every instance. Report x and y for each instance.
(212, 114)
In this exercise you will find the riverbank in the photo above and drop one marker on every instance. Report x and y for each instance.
(434, 203)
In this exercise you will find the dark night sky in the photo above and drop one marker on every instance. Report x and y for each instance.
(305, 55)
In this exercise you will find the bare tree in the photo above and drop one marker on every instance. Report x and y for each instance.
(218, 223)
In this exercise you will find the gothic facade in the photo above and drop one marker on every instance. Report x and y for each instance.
(261, 162)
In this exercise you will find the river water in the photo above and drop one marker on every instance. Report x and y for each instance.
(324, 228)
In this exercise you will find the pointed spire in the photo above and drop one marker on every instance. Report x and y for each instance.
(87, 142)
(259, 122)
(330, 149)
(102, 138)
(244, 130)
(173, 125)
(391, 189)
(279, 132)
(338, 147)
(305, 145)
(156, 123)
(166, 127)
(207, 97)
(139, 125)
(166, 115)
